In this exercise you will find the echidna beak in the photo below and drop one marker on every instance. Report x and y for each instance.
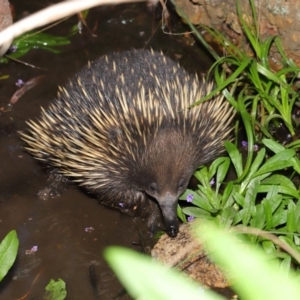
(169, 210)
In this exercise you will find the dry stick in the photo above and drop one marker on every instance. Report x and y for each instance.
(51, 14)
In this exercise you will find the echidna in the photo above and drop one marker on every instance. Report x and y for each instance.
(123, 130)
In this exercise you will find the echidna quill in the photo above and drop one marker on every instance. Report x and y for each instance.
(122, 130)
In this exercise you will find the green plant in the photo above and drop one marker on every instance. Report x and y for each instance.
(56, 290)
(235, 202)
(254, 276)
(263, 193)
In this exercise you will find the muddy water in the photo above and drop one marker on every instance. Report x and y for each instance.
(57, 226)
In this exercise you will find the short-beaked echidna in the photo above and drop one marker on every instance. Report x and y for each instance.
(123, 130)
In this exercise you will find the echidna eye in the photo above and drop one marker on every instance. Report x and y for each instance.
(153, 187)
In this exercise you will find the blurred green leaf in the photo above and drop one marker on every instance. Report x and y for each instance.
(8, 252)
(158, 282)
(255, 277)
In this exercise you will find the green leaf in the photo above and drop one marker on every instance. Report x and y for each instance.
(215, 165)
(298, 227)
(259, 219)
(222, 172)
(180, 214)
(250, 198)
(56, 290)
(237, 218)
(291, 217)
(253, 168)
(252, 38)
(227, 216)
(211, 197)
(203, 176)
(197, 200)
(264, 188)
(279, 218)
(145, 279)
(279, 179)
(226, 194)
(267, 214)
(236, 157)
(274, 201)
(240, 199)
(276, 148)
(297, 213)
(286, 154)
(257, 162)
(40, 39)
(279, 161)
(8, 252)
(196, 212)
(266, 49)
(272, 145)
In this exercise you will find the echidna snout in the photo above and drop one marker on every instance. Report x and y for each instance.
(168, 206)
(122, 129)
(165, 172)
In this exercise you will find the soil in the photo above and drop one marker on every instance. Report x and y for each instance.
(70, 230)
